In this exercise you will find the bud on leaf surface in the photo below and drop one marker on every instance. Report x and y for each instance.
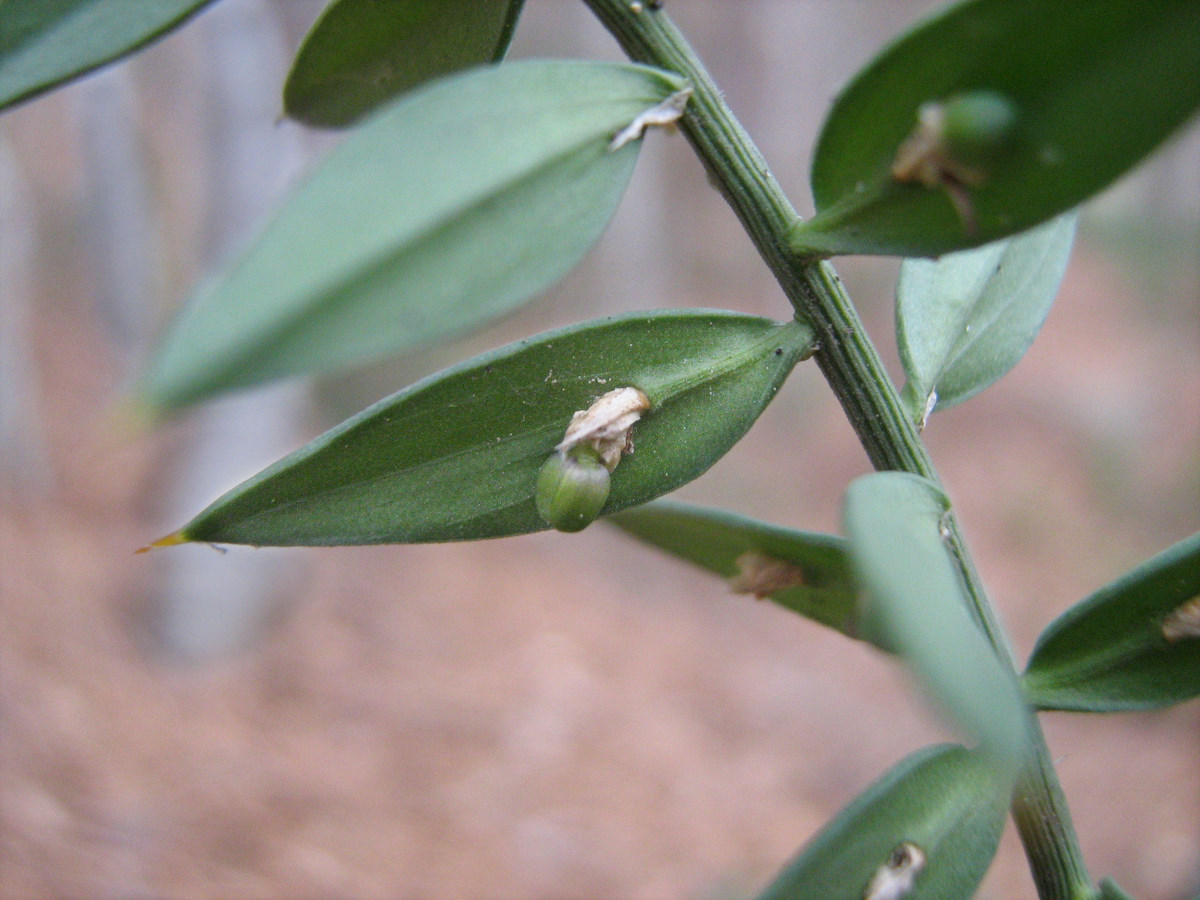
(572, 488)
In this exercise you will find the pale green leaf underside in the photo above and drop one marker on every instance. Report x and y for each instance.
(456, 456)
(947, 801)
(715, 539)
(915, 604)
(1134, 644)
(361, 53)
(459, 202)
(964, 320)
(44, 43)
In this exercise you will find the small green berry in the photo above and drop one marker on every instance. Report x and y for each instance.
(977, 126)
(572, 488)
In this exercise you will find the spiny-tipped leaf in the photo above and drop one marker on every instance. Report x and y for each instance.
(728, 544)
(44, 43)
(946, 801)
(964, 320)
(1093, 88)
(914, 603)
(461, 201)
(361, 53)
(1134, 644)
(457, 456)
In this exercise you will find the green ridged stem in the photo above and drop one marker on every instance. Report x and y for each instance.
(856, 374)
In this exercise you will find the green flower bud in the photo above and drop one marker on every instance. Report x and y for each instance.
(954, 145)
(977, 127)
(572, 488)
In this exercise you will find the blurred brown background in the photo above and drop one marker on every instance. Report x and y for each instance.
(548, 716)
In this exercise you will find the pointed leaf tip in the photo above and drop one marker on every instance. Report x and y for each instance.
(174, 539)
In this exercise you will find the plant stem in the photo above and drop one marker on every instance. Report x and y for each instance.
(854, 370)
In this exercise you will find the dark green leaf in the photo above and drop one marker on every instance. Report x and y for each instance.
(915, 604)
(458, 203)
(361, 53)
(947, 802)
(44, 43)
(964, 320)
(1134, 644)
(457, 456)
(813, 580)
(1093, 92)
